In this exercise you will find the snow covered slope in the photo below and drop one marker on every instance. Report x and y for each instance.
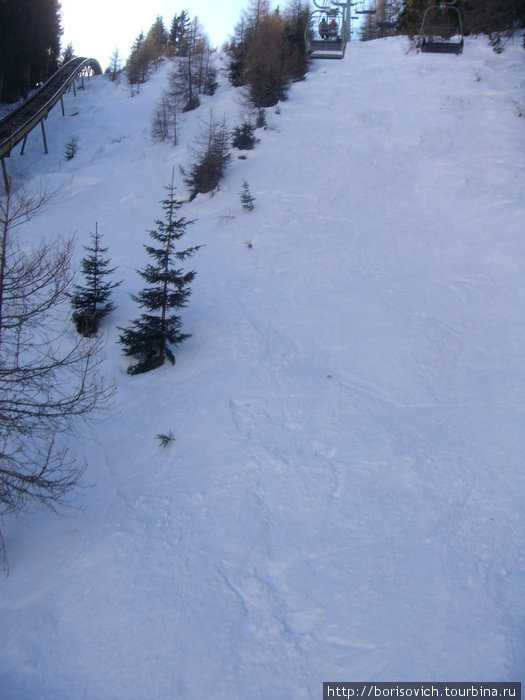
(344, 499)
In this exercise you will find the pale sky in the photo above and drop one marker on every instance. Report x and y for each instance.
(96, 28)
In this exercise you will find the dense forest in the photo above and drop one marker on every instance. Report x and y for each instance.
(29, 45)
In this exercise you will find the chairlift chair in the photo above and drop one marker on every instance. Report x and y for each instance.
(441, 29)
(366, 7)
(329, 29)
(386, 16)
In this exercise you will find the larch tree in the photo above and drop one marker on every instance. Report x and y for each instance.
(268, 51)
(48, 381)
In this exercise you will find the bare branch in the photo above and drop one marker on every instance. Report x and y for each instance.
(48, 378)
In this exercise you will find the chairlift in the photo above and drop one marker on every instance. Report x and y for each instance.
(441, 29)
(366, 7)
(386, 17)
(386, 25)
(329, 29)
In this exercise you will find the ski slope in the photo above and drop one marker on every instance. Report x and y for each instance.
(344, 497)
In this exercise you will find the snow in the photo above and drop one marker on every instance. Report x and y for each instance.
(343, 499)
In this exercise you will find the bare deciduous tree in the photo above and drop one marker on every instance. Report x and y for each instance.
(48, 378)
(115, 66)
(164, 123)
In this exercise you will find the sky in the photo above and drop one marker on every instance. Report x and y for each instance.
(96, 29)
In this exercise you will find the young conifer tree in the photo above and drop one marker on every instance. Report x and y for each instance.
(92, 303)
(247, 201)
(150, 336)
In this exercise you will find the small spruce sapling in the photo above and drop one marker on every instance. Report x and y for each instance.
(151, 335)
(71, 149)
(165, 439)
(260, 122)
(243, 137)
(247, 201)
(91, 303)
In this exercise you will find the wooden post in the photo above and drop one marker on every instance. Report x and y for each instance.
(6, 177)
(44, 136)
(62, 105)
(23, 145)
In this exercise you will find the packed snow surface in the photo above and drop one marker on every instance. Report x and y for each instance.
(344, 496)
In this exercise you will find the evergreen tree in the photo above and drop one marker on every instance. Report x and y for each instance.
(195, 73)
(150, 337)
(179, 34)
(205, 174)
(71, 149)
(247, 201)
(243, 136)
(92, 302)
(67, 54)
(29, 45)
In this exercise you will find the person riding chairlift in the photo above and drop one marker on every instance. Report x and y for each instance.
(323, 28)
(332, 29)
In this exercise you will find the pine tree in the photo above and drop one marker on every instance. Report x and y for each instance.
(205, 174)
(71, 149)
(92, 302)
(247, 201)
(29, 45)
(151, 335)
(178, 34)
(67, 54)
(243, 136)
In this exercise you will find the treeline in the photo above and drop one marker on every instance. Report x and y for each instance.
(29, 45)
(493, 16)
(185, 40)
(267, 51)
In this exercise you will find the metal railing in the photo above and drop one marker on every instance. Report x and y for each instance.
(22, 119)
